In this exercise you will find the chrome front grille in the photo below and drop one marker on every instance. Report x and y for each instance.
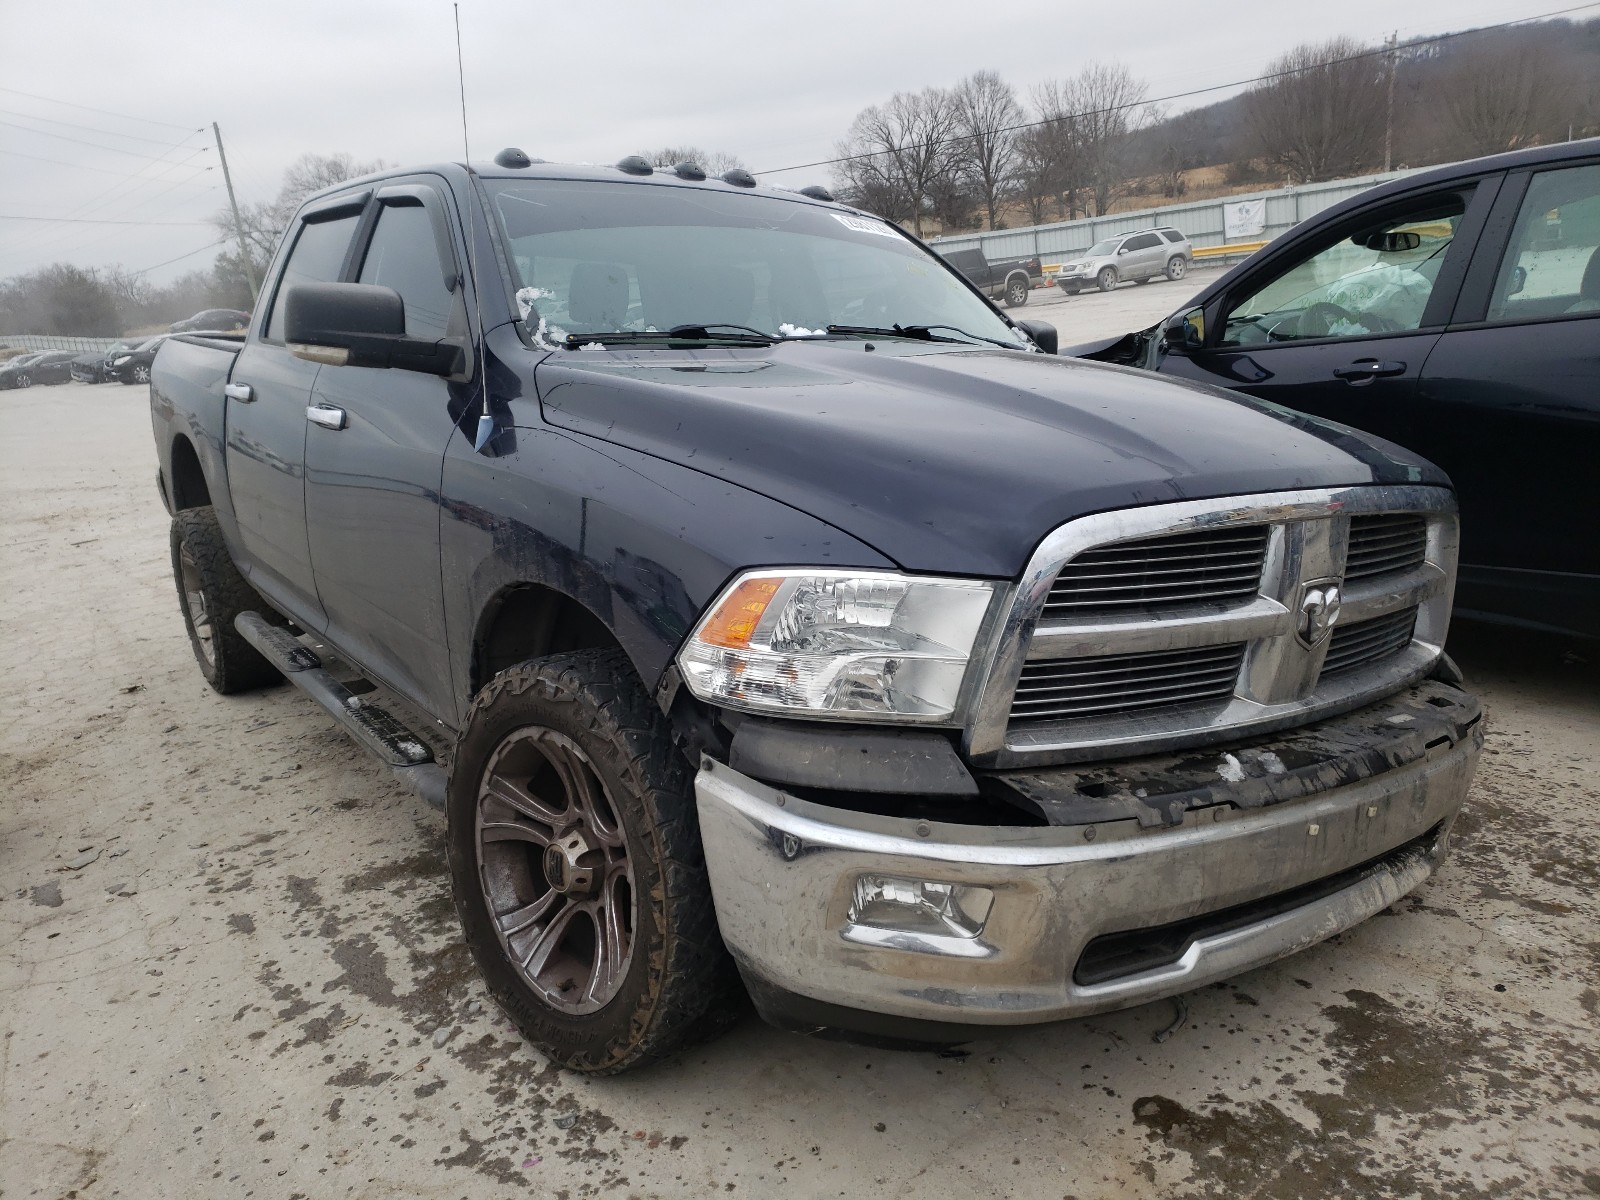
(1221, 566)
(1366, 642)
(1152, 628)
(1384, 542)
(1116, 683)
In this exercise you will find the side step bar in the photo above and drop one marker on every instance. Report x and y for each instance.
(373, 727)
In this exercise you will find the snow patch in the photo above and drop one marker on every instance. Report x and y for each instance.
(527, 296)
(1231, 770)
(797, 331)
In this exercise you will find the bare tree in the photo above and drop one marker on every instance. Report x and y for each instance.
(1054, 145)
(1497, 101)
(906, 146)
(1109, 105)
(1035, 172)
(986, 114)
(263, 225)
(715, 162)
(1325, 117)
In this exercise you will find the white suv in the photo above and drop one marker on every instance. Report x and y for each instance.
(1142, 255)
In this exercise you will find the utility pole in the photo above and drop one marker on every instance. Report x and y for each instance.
(1388, 123)
(238, 223)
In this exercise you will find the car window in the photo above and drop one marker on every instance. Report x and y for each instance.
(316, 258)
(1142, 241)
(1376, 279)
(404, 255)
(1100, 249)
(1172, 235)
(1552, 262)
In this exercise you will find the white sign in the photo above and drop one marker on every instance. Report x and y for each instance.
(1244, 218)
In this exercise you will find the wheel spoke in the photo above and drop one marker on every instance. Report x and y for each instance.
(549, 938)
(611, 942)
(583, 789)
(512, 831)
(518, 919)
(511, 793)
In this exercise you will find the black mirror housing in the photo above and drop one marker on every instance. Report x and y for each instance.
(361, 325)
(1184, 331)
(1043, 334)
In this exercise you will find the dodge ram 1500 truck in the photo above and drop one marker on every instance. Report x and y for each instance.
(762, 605)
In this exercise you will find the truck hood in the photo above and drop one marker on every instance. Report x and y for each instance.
(951, 459)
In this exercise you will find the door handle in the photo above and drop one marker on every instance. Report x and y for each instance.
(325, 415)
(1365, 370)
(242, 392)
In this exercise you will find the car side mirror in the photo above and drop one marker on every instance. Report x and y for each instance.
(361, 325)
(1519, 280)
(1185, 331)
(1043, 334)
(1122, 249)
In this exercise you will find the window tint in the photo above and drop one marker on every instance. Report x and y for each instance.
(1375, 280)
(316, 258)
(1141, 241)
(1172, 235)
(1552, 263)
(404, 255)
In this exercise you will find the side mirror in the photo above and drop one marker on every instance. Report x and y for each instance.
(1122, 249)
(1185, 331)
(361, 325)
(1042, 332)
(1519, 280)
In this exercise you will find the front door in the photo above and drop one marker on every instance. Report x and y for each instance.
(266, 429)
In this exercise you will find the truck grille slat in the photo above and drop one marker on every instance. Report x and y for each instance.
(1384, 542)
(1055, 690)
(1367, 642)
(1205, 566)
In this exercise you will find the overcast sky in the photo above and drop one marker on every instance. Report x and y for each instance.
(776, 84)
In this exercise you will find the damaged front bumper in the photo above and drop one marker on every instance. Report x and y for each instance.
(1148, 878)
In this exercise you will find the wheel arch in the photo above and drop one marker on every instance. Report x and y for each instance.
(188, 486)
(526, 620)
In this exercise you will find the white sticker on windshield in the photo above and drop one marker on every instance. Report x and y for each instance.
(862, 225)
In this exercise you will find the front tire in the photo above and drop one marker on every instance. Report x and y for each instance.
(577, 869)
(1177, 267)
(212, 593)
(24, 381)
(1017, 289)
(1107, 279)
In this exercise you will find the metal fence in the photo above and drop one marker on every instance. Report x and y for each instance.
(1200, 220)
(47, 341)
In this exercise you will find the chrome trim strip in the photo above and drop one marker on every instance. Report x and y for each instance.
(1278, 684)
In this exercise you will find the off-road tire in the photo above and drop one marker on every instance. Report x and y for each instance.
(233, 665)
(680, 985)
(1177, 267)
(1107, 279)
(1017, 289)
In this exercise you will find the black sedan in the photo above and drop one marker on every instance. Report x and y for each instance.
(50, 366)
(94, 366)
(1455, 312)
(213, 320)
(133, 365)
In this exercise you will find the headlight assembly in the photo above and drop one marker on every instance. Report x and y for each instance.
(837, 644)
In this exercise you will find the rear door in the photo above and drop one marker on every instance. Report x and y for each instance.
(1340, 323)
(1510, 403)
(1140, 257)
(373, 476)
(269, 391)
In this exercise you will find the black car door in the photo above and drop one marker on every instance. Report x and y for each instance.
(374, 457)
(1510, 401)
(268, 394)
(1339, 322)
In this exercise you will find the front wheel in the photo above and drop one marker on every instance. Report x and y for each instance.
(139, 374)
(1177, 267)
(1107, 279)
(1016, 292)
(576, 865)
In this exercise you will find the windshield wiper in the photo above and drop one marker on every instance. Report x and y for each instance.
(743, 335)
(921, 333)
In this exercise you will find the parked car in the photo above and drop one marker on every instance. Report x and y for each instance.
(1008, 279)
(1456, 312)
(47, 367)
(1141, 256)
(218, 320)
(823, 633)
(94, 366)
(133, 365)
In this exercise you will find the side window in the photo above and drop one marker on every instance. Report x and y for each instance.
(1552, 262)
(1143, 241)
(1172, 235)
(316, 258)
(404, 255)
(1375, 279)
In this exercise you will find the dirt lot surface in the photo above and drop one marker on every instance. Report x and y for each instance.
(231, 966)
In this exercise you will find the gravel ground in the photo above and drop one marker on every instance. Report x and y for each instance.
(231, 967)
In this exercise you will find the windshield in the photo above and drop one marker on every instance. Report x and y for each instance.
(594, 258)
(150, 345)
(1099, 249)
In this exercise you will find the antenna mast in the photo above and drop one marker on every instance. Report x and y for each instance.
(485, 432)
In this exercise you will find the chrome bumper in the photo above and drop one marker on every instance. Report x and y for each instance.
(785, 872)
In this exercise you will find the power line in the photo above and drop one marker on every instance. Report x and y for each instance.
(180, 258)
(63, 137)
(61, 162)
(137, 137)
(1218, 87)
(106, 112)
(93, 221)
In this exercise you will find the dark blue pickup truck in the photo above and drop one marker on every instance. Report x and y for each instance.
(769, 614)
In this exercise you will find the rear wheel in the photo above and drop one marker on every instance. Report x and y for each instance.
(1177, 267)
(577, 869)
(1017, 288)
(212, 593)
(1107, 279)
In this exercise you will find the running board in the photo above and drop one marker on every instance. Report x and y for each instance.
(375, 728)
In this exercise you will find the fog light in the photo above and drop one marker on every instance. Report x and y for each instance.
(920, 906)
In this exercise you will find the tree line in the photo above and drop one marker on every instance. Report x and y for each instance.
(979, 154)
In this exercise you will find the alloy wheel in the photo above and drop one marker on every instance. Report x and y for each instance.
(194, 597)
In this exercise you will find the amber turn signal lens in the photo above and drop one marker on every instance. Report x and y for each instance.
(735, 620)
